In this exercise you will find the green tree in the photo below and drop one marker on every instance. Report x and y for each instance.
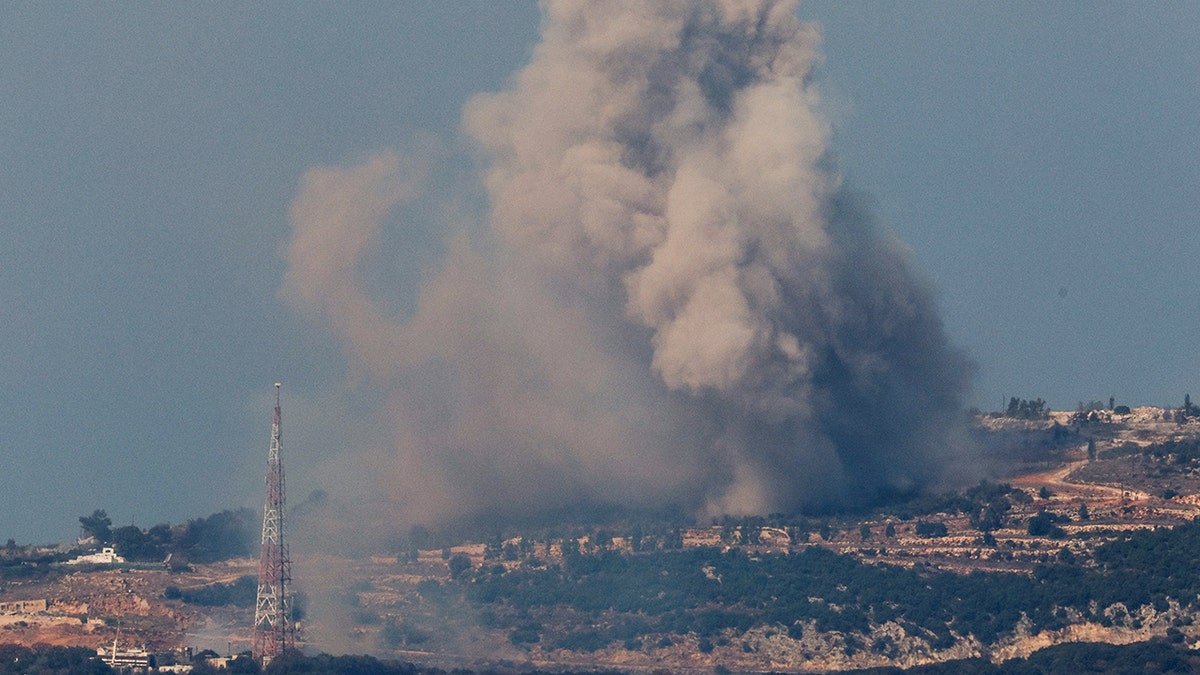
(459, 563)
(990, 517)
(673, 540)
(1027, 410)
(1043, 525)
(420, 538)
(635, 537)
(1091, 449)
(134, 544)
(931, 529)
(603, 539)
(97, 525)
(224, 535)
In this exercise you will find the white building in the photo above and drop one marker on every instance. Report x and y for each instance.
(106, 556)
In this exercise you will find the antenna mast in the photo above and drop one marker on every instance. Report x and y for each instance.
(274, 632)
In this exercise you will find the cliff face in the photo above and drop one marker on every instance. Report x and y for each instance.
(770, 649)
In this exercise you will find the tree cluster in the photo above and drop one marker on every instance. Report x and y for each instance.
(48, 660)
(1181, 452)
(714, 594)
(240, 593)
(1021, 409)
(1154, 656)
(220, 536)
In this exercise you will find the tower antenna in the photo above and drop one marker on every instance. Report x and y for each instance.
(274, 632)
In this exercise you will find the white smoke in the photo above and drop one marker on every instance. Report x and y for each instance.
(675, 304)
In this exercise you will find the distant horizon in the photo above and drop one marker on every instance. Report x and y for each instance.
(1035, 162)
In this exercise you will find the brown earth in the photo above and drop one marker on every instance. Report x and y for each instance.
(379, 605)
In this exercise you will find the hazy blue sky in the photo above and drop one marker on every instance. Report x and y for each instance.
(1042, 160)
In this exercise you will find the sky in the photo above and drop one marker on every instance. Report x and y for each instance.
(1040, 159)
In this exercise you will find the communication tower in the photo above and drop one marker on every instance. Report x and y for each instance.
(274, 632)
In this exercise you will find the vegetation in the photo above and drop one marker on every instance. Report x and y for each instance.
(240, 593)
(712, 593)
(325, 664)
(1176, 452)
(220, 536)
(1044, 525)
(1021, 409)
(1155, 656)
(47, 660)
(97, 525)
(224, 535)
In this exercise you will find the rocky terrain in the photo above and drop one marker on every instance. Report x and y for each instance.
(421, 607)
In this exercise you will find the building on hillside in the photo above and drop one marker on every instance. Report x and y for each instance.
(120, 658)
(106, 556)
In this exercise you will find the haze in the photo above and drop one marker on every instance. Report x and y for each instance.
(1040, 162)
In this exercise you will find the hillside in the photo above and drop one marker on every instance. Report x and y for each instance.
(1064, 545)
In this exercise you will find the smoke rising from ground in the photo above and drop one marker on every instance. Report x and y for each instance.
(673, 301)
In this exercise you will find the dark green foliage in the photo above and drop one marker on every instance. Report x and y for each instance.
(134, 544)
(97, 525)
(1188, 409)
(433, 591)
(365, 617)
(244, 664)
(583, 641)
(1043, 525)
(528, 633)
(636, 534)
(44, 660)
(240, 593)
(420, 538)
(396, 634)
(1065, 659)
(930, 529)
(224, 535)
(1141, 657)
(673, 540)
(990, 518)
(1027, 410)
(325, 664)
(1176, 452)
(459, 563)
(715, 594)
(603, 538)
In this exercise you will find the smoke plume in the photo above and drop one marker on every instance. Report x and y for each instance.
(672, 300)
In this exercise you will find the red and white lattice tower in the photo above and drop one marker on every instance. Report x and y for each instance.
(274, 632)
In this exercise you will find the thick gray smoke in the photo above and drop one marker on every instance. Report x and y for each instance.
(674, 303)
